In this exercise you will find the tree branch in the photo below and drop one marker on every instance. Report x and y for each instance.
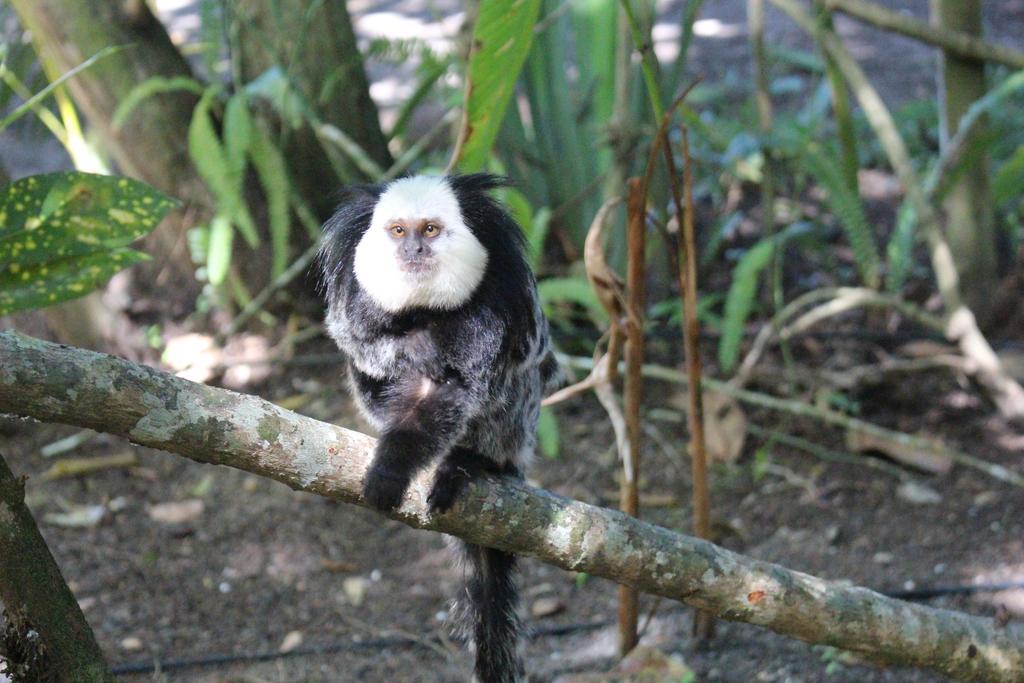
(962, 43)
(73, 386)
(31, 586)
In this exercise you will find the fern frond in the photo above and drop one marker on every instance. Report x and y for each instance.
(847, 207)
(900, 249)
(739, 302)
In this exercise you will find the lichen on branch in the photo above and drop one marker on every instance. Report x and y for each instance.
(73, 386)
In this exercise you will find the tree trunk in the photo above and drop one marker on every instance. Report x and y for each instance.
(150, 146)
(968, 206)
(315, 44)
(33, 591)
(152, 408)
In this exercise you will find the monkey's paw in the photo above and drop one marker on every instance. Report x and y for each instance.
(383, 489)
(453, 475)
(444, 493)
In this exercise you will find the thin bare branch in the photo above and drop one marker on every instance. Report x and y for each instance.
(962, 43)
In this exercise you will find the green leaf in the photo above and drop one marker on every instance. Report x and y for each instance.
(237, 134)
(210, 158)
(222, 237)
(1009, 180)
(672, 311)
(846, 205)
(148, 88)
(431, 72)
(16, 62)
(547, 433)
(534, 226)
(992, 99)
(538, 234)
(274, 86)
(724, 229)
(899, 251)
(501, 41)
(575, 290)
(740, 301)
(798, 59)
(205, 147)
(594, 25)
(53, 216)
(212, 36)
(763, 458)
(518, 206)
(35, 286)
(31, 102)
(272, 170)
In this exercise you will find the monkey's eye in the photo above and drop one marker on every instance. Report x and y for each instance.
(397, 230)
(431, 230)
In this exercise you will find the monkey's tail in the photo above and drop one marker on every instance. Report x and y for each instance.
(485, 613)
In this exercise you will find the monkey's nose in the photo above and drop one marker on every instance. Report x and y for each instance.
(414, 247)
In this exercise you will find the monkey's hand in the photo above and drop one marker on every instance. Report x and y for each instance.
(394, 464)
(450, 481)
(458, 469)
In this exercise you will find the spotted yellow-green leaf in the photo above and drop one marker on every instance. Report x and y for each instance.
(63, 234)
(54, 216)
(501, 40)
(43, 284)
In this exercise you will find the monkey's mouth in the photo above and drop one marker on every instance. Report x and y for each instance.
(417, 266)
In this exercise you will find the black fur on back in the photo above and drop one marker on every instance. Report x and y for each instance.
(341, 234)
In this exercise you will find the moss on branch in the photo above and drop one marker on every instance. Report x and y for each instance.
(72, 386)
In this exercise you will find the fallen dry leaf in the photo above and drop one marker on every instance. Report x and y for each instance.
(355, 589)
(651, 664)
(925, 348)
(912, 454)
(80, 517)
(337, 566)
(919, 494)
(291, 641)
(546, 607)
(176, 513)
(131, 644)
(75, 467)
(725, 427)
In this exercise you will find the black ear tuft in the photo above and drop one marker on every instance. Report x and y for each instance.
(341, 234)
(349, 194)
(477, 182)
(508, 282)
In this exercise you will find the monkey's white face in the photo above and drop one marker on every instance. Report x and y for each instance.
(418, 252)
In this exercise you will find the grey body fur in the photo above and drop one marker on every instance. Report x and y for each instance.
(432, 301)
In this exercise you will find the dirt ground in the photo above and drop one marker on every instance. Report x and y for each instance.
(254, 566)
